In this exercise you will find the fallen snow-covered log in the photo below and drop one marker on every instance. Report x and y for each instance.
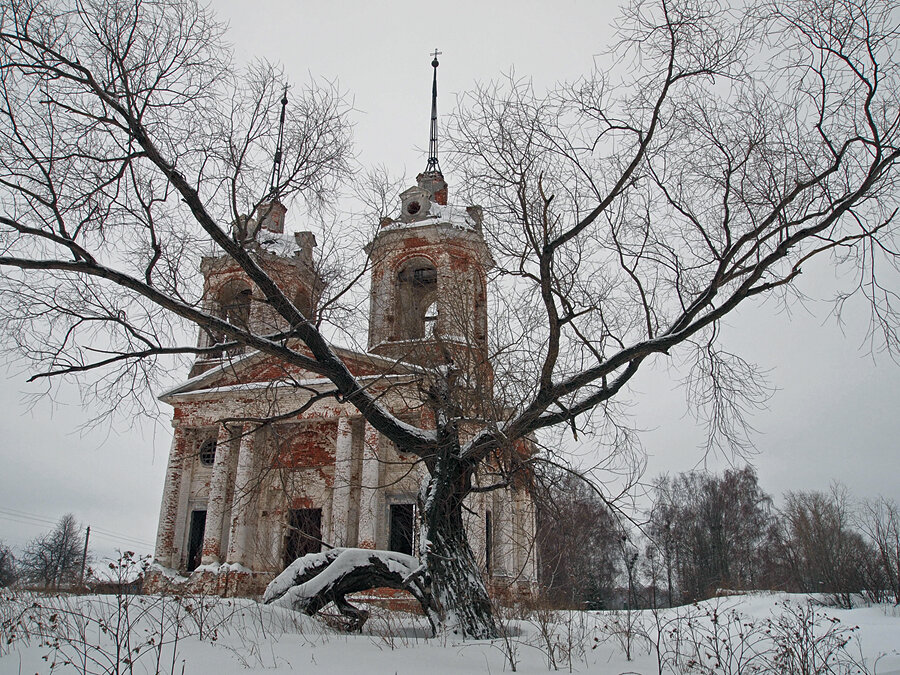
(310, 583)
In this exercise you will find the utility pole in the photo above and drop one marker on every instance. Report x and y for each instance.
(87, 536)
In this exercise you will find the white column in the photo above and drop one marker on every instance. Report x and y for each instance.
(238, 539)
(218, 489)
(418, 537)
(503, 533)
(517, 541)
(529, 532)
(168, 510)
(340, 494)
(368, 493)
(475, 521)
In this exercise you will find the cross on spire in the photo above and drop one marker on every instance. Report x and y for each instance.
(433, 166)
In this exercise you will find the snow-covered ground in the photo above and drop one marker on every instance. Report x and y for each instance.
(757, 633)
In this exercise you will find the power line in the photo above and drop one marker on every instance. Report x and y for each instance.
(115, 536)
(25, 514)
(27, 518)
(121, 539)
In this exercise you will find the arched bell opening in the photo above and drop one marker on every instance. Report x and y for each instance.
(416, 310)
(232, 304)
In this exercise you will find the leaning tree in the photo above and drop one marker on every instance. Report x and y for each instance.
(628, 211)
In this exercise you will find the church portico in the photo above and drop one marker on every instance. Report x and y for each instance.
(319, 479)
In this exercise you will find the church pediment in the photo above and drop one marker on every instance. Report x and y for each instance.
(258, 370)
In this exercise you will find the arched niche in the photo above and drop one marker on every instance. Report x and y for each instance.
(463, 308)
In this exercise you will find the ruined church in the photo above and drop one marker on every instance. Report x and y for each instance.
(265, 466)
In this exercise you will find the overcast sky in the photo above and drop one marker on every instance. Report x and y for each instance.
(833, 417)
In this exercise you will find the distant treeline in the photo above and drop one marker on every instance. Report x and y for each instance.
(708, 533)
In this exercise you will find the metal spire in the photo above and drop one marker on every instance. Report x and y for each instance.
(433, 166)
(275, 185)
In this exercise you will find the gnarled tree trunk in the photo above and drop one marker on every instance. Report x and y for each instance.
(457, 585)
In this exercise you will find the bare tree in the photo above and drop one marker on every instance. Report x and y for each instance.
(627, 218)
(577, 537)
(881, 523)
(828, 554)
(710, 532)
(53, 560)
(7, 566)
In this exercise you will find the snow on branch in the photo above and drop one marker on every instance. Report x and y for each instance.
(315, 580)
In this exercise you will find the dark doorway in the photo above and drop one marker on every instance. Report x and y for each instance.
(488, 543)
(304, 534)
(195, 539)
(402, 516)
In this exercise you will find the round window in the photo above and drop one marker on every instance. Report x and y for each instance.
(413, 208)
(208, 452)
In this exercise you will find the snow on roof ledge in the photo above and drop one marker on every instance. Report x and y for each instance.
(272, 384)
(284, 245)
(457, 216)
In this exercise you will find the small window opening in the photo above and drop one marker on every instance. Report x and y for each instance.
(430, 319)
(304, 534)
(208, 452)
(401, 528)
